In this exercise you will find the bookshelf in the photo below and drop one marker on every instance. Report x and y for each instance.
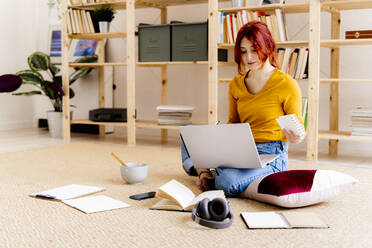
(314, 8)
(130, 63)
(334, 134)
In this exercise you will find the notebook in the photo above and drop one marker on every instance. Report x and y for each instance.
(290, 122)
(67, 192)
(286, 220)
(93, 204)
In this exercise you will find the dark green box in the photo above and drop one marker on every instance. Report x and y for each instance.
(190, 42)
(154, 42)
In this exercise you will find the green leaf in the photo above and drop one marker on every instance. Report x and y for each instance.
(72, 93)
(54, 69)
(29, 93)
(50, 92)
(39, 61)
(31, 77)
(80, 73)
(86, 59)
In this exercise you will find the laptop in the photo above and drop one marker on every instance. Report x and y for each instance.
(225, 145)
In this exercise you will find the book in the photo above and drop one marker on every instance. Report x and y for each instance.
(174, 122)
(67, 192)
(174, 108)
(304, 111)
(286, 58)
(175, 196)
(286, 220)
(293, 62)
(93, 204)
(281, 25)
(291, 122)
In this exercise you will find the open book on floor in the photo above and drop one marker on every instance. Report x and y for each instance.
(175, 196)
(286, 220)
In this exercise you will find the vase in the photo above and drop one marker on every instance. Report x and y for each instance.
(55, 123)
(104, 27)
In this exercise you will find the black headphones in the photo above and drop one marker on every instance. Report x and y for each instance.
(212, 213)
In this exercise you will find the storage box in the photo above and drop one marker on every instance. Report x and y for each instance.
(154, 42)
(190, 42)
(358, 34)
(108, 115)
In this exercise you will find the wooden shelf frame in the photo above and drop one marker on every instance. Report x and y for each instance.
(130, 64)
(121, 4)
(98, 36)
(342, 135)
(152, 124)
(313, 7)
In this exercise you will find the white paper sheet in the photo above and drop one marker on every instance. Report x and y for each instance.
(68, 192)
(92, 204)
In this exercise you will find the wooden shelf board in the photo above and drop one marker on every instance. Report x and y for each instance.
(354, 80)
(342, 135)
(88, 122)
(227, 80)
(155, 125)
(348, 5)
(224, 80)
(97, 64)
(343, 42)
(155, 64)
(121, 4)
(98, 36)
(324, 43)
(278, 44)
(286, 8)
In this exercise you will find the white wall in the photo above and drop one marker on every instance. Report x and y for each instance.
(19, 24)
(24, 25)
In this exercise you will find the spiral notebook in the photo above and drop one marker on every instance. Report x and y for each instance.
(291, 122)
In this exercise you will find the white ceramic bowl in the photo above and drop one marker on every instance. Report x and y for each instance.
(134, 173)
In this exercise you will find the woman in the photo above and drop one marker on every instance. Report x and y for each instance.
(258, 95)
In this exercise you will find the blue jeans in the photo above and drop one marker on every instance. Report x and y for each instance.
(234, 181)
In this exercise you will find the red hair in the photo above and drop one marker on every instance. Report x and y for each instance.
(259, 35)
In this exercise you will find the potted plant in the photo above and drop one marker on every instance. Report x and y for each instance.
(103, 16)
(52, 88)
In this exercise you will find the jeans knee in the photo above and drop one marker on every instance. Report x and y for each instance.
(227, 184)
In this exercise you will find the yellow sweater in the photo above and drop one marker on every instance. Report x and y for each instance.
(281, 95)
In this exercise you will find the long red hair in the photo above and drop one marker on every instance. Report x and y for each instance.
(259, 35)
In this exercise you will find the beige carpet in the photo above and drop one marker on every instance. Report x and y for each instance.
(30, 222)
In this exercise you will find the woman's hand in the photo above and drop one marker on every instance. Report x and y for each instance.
(292, 137)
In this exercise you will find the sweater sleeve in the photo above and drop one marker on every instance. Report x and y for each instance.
(293, 100)
(233, 111)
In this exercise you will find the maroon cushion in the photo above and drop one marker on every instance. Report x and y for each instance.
(287, 182)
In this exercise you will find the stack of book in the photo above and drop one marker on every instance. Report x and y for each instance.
(79, 22)
(361, 121)
(230, 23)
(174, 114)
(294, 61)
